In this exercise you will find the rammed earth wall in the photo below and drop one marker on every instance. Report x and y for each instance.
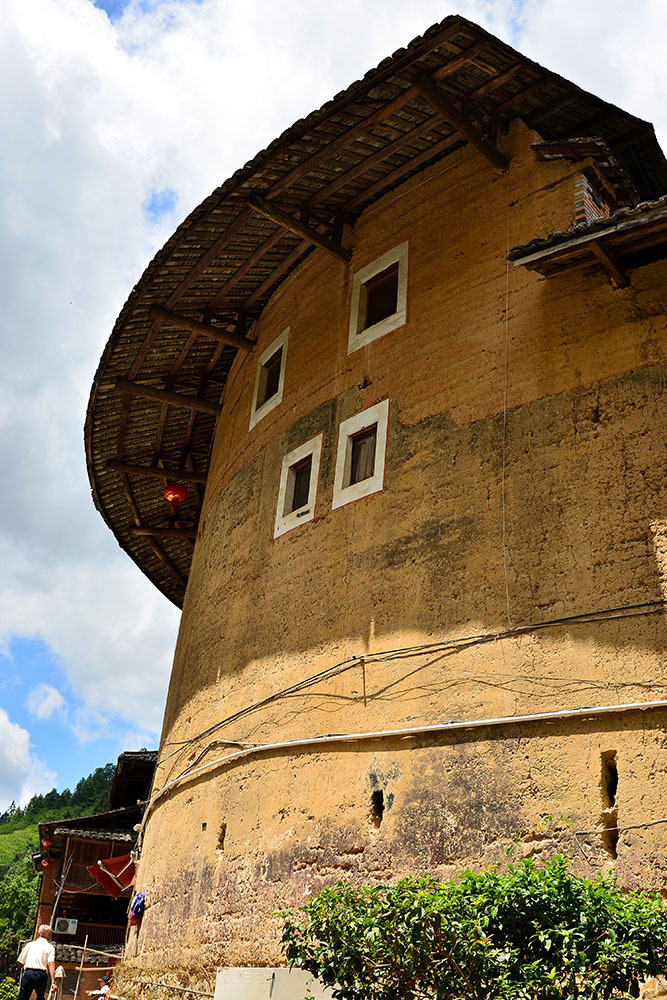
(524, 483)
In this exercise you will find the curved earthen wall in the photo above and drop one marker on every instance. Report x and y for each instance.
(523, 484)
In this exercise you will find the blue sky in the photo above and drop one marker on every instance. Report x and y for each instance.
(114, 8)
(116, 119)
(29, 674)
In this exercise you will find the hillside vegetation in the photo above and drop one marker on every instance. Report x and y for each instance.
(19, 839)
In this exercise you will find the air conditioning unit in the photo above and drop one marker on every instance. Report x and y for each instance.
(65, 926)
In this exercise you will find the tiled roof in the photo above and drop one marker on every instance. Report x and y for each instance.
(121, 835)
(623, 218)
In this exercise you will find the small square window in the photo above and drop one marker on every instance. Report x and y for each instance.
(362, 446)
(270, 378)
(297, 491)
(362, 463)
(379, 298)
(298, 485)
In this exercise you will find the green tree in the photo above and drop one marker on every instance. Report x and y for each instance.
(19, 837)
(529, 932)
(18, 893)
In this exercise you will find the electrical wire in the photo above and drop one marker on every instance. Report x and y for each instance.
(505, 392)
(462, 642)
(410, 732)
(167, 986)
(612, 829)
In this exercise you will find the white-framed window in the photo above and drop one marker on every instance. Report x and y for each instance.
(362, 447)
(270, 378)
(379, 298)
(297, 491)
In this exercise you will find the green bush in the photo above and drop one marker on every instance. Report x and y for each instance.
(8, 989)
(529, 932)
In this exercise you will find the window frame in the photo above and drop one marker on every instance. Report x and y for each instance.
(357, 337)
(257, 412)
(286, 522)
(376, 415)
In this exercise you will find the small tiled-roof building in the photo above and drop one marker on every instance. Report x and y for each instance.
(86, 914)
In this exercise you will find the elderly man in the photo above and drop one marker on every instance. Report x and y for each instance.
(36, 957)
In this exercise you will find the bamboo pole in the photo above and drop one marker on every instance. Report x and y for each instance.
(83, 958)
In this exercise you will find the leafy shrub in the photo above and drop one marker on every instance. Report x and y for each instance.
(8, 989)
(529, 932)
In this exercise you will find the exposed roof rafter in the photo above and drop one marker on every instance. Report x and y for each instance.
(144, 529)
(610, 262)
(157, 472)
(204, 329)
(457, 120)
(164, 396)
(305, 232)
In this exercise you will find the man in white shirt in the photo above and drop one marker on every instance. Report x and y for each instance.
(37, 957)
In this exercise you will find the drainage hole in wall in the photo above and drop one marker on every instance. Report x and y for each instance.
(609, 778)
(610, 842)
(221, 836)
(377, 807)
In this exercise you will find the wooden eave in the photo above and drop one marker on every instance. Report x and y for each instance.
(194, 306)
(609, 243)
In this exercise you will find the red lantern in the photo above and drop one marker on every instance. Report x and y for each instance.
(45, 862)
(175, 493)
(46, 843)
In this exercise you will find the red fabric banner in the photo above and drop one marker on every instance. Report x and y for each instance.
(114, 874)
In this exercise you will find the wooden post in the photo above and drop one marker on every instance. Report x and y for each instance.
(60, 975)
(81, 965)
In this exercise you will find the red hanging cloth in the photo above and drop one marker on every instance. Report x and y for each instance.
(114, 874)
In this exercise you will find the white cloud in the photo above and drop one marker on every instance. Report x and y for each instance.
(19, 768)
(45, 700)
(94, 119)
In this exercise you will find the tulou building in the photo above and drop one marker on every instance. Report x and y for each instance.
(401, 377)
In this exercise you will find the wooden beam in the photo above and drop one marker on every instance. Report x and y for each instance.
(164, 396)
(437, 100)
(154, 472)
(240, 272)
(143, 529)
(204, 329)
(297, 227)
(495, 81)
(367, 163)
(166, 562)
(410, 167)
(521, 95)
(539, 114)
(292, 259)
(610, 262)
(207, 258)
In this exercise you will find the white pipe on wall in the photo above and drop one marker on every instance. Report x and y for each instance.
(410, 732)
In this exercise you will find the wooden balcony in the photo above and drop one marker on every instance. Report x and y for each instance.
(98, 934)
